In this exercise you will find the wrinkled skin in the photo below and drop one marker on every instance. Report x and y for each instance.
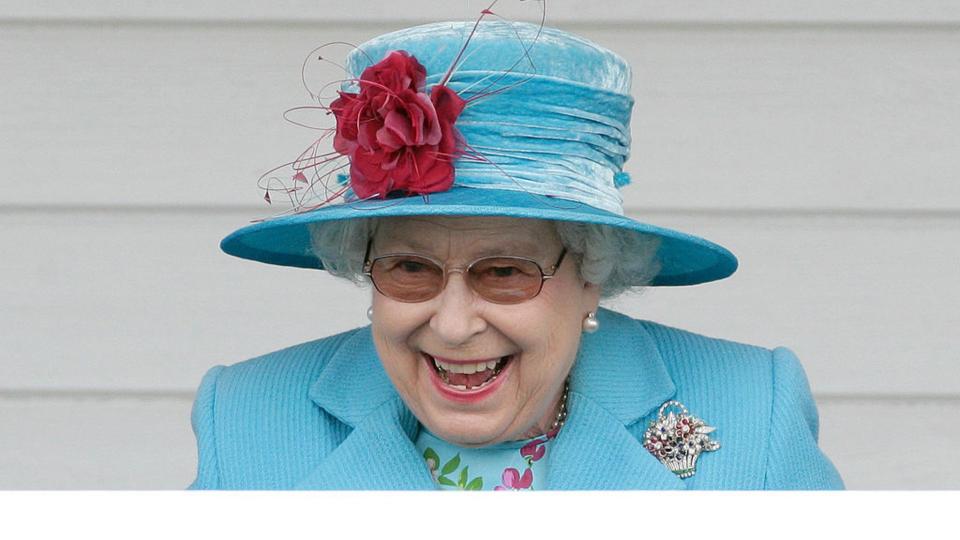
(543, 333)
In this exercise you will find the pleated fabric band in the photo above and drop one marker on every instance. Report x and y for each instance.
(553, 119)
(544, 136)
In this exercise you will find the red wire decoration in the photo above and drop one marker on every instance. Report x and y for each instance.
(398, 138)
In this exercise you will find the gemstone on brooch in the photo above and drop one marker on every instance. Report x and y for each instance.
(678, 438)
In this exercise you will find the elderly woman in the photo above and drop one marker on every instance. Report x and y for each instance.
(482, 205)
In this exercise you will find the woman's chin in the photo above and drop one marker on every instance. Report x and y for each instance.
(467, 432)
(466, 426)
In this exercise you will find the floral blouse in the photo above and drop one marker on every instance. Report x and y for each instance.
(508, 466)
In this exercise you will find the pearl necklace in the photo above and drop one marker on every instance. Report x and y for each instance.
(562, 413)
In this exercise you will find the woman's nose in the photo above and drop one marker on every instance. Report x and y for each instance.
(458, 315)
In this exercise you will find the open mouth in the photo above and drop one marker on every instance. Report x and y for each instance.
(468, 376)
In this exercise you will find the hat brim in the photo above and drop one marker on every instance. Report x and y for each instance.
(685, 259)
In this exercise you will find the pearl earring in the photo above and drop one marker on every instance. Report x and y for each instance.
(370, 313)
(590, 323)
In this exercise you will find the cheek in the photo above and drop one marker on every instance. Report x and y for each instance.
(563, 313)
(552, 340)
(394, 321)
(566, 325)
(392, 331)
(564, 341)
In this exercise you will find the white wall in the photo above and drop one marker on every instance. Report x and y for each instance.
(818, 140)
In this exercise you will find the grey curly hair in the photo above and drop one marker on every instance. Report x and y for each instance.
(615, 259)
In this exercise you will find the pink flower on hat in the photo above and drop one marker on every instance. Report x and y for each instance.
(398, 137)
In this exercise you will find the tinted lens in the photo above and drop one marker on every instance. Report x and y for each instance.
(407, 278)
(506, 280)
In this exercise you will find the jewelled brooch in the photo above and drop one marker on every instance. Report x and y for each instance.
(677, 440)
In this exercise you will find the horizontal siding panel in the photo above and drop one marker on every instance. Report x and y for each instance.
(857, 436)
(728, 118)
(146, 443)
(145, 300)
(868, 304)
(96, 443)
(148, 301)
(615, 11)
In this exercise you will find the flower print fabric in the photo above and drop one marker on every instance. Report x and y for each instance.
(510, 466)
(511, 480)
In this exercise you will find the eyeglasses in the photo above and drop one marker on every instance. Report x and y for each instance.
(408, 277)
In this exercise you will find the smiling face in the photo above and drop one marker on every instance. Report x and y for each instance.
(521, 353)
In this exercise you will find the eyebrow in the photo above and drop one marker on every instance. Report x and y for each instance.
(515, 249)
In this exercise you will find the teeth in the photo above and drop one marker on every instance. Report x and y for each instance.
(466, 369)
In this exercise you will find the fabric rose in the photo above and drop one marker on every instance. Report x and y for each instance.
(398, 137)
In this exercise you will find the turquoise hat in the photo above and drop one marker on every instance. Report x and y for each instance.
(543, 133)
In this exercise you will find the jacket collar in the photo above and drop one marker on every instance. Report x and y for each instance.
(353, 384)
(619, 378)
(620, 369)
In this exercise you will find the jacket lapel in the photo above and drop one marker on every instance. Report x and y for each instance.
(595, 451)
(379, 452)
(377, 455)
(619, 379)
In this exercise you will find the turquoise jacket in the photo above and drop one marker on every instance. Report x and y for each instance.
(324, 415)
